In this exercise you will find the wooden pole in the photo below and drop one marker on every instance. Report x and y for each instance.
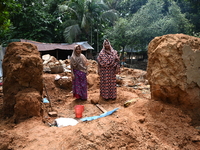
(48, 96)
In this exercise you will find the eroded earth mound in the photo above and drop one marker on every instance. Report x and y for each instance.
(174, 71)
(22, 81)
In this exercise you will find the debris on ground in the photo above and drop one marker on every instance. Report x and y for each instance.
(144, 124)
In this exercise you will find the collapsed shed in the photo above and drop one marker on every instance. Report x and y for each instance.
(61, 50)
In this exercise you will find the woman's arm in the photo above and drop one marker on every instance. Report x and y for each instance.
(98, 69)
(72, 71)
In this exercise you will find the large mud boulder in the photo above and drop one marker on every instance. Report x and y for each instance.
(93, 81)
(174, 70)
(23, 82)
(28, 104)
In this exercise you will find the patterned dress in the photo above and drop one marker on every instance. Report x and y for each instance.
(108, 64)
(79, 85)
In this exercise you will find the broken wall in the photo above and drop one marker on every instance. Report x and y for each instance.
(22, 81)
(173, 70)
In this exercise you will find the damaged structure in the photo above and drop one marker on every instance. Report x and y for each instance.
(22, 81)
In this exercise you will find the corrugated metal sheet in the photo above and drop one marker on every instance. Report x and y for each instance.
(85, 45)
(63, 46)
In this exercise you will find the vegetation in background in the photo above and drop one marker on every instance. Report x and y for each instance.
(87, 20)
(124, 22)
(7, 8)
(151, 20)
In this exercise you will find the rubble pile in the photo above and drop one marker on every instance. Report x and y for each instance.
(52, 65)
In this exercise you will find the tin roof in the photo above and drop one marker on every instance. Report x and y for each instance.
(63, 46)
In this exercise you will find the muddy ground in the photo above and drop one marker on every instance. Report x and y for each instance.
(145, 124)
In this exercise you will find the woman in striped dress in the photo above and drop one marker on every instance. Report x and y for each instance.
(108, 67)
(78, 64)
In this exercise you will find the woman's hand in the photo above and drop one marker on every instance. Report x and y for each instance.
(98, 72)
(117, 71)
(73, 77)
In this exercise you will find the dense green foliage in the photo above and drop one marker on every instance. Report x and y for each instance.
(124, 22)
(151, 20)
(86, 20)
(7, 7)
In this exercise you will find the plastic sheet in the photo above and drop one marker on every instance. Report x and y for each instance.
(100, 116)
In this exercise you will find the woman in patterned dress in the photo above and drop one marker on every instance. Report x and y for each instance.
(108, 67)
(78, 64)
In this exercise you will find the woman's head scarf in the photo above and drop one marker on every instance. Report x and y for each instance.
(78, 61)
(111, 50)
(108, 58)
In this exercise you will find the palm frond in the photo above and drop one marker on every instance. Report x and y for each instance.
(102, 5)
(71, 32)
(65, 8)
(69, 22)
(110, 15)
(84, 21)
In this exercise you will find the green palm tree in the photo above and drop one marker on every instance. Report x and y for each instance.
(85, 16)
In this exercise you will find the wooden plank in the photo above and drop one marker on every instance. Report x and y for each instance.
(101, 108)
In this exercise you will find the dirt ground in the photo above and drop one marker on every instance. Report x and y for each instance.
(145, 124)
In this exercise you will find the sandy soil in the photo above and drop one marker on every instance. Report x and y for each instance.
(145, 124)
